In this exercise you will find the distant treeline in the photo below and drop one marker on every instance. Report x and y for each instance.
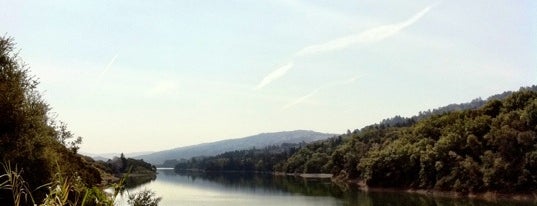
(260, 160)
(121, 165)
(473, 147)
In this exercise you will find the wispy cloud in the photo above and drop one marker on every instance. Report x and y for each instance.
(312, 93)
(300, 100)
(281, 71)
(369, 36)
(108, 66)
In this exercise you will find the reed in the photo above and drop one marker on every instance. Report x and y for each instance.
(13, 181)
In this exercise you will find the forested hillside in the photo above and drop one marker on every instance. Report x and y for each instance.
(164, 158)
(474, 104)
(38, 154)
(252, 160)
(34, 148)
(492, 148)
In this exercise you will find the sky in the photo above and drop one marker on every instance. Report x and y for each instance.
(131, 76)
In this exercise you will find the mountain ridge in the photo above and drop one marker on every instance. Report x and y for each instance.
(214, 148)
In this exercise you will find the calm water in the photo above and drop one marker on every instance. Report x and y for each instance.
(249, 189)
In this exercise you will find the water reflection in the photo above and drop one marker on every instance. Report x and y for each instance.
(264, 183)
(132, 182)
(264, 189)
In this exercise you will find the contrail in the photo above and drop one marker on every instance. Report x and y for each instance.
(108, 66)
(325, 86)
(369, 36)
(274, 75)
(300, 100)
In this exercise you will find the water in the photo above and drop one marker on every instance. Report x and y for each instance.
(259, 190)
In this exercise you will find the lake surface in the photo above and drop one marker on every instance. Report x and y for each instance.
(257, 189)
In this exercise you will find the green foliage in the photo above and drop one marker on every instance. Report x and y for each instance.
(468, 151)
(260, 160)
(121, 165)
(492, 148)
(15, 183)
(95, 196)
(35, 141)
(144, 198)
(61, 192)
(24, 132)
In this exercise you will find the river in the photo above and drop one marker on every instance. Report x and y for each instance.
(258, 190)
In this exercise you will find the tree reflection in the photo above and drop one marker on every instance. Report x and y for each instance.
(349, 194)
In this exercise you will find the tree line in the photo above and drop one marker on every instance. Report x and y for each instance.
(492, 148)
(252, 160)
(486, 146)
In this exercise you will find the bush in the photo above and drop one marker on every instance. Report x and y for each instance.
(144, 198)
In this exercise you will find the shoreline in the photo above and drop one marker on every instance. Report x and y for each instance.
(305, 175)
(488, 196)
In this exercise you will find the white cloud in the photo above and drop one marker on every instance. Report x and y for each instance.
(274, 75)
(369, 36)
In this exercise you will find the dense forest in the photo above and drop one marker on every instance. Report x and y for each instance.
(492, 148)
(474, 104)
(38, 154)
(469, 148)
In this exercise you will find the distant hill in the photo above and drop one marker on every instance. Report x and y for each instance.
(215, 148)
(107, 156)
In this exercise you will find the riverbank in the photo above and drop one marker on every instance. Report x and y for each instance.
(485, 196)
(305, 175)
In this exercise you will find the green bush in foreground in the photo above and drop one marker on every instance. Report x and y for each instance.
(144, 198)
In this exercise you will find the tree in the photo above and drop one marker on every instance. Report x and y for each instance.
(29, 137)
(24, 132)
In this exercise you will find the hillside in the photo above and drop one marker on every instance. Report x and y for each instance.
(36, 150)
(215, 148)
(252, 160)
(476, 149)
(472, 105)
(108, 156)
(489, 149)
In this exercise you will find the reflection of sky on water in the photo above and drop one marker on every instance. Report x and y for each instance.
(259, 190)
(197, 190)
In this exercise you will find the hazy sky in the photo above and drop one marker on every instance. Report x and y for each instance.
(150, 75)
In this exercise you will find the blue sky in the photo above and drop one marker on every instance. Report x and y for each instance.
(150, 75)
